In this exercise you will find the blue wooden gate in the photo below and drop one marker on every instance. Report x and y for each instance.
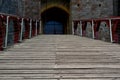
(53, 27)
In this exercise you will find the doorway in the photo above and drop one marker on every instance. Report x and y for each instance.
(53, 27)
(55, 21)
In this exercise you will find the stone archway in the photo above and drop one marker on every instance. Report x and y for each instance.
(57, 13)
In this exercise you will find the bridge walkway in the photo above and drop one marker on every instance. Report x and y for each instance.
(61, 57)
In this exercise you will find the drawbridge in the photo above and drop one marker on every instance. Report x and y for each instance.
(92, 52)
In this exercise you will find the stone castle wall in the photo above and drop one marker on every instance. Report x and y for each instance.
(14, 7)
(32, 8)
(91, 8)
(79, 8)
(25, 8)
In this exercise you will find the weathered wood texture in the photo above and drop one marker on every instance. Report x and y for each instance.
(61, 57)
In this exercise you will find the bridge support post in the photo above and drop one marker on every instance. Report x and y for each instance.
(40, 22)
(73, 28)
(93, 32)
(21, 32)
(36, 28)
(30, 34)
(78, 29)
(81, 28)
(6, 34)
(111, 36)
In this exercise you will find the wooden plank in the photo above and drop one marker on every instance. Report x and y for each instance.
(61, 57)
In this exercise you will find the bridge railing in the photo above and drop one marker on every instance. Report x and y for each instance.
(106, 29)
(14, 29)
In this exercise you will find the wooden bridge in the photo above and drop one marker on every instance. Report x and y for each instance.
(59, 57)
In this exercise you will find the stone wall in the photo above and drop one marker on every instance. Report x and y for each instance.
(26, 8)
(14, 7)
(32, 8)
(91, 8)
(79, 8)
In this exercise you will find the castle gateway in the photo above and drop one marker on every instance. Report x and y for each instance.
(55, 16)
